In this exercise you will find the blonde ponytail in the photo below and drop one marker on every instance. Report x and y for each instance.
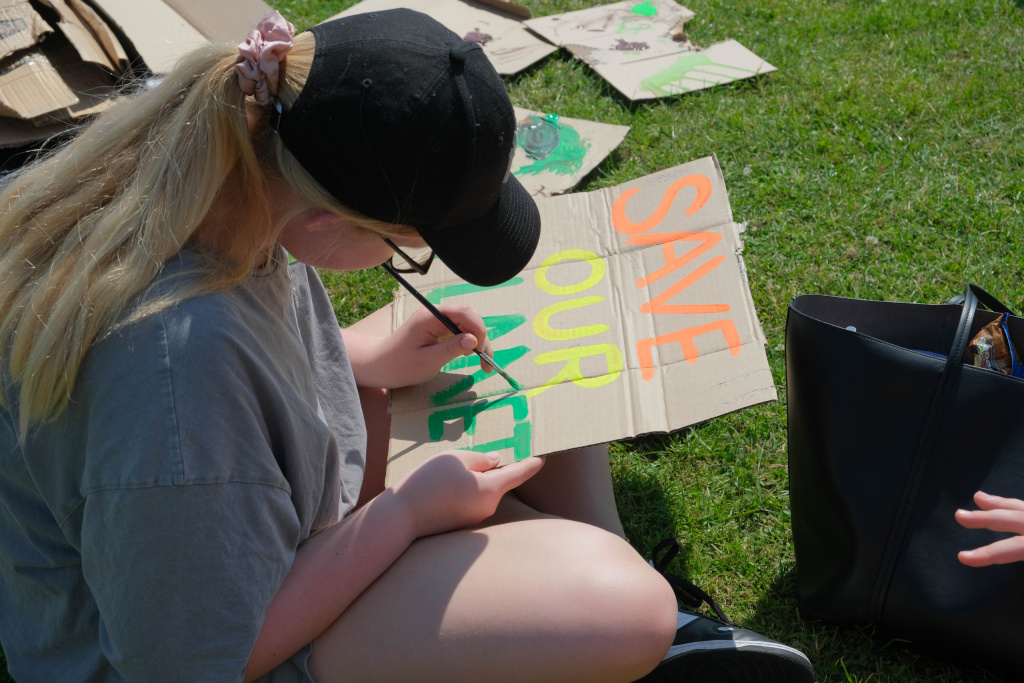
(88, 228)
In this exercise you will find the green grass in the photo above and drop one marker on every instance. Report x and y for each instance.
(882, 160)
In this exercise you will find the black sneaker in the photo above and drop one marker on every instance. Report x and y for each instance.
(715, 649)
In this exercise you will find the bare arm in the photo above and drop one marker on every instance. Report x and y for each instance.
(452, 490)
(330, 570)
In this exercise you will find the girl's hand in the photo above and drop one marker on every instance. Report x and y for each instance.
(417, 350)
(458, 489)
(996, 514)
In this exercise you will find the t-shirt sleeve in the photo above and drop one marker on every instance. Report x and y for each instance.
(182, 575)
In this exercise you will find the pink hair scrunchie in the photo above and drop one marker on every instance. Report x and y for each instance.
(262, 52)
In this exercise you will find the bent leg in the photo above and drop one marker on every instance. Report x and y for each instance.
(374, 402)
(533, 598)
(577, 485)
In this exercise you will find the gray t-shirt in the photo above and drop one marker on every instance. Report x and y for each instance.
(144, 533)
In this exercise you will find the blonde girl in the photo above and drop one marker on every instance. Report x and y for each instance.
(189, 489)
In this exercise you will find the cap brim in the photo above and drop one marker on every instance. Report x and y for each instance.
(496, 246)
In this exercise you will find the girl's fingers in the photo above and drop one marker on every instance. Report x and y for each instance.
(477, 462)
(1011, 521)
(467, 320)
(989, 502)
(510, 476)
(1001, 552)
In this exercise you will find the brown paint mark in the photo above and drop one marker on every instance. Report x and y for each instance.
(623, 46)
(475, 36)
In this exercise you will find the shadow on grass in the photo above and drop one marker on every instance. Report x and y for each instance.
(645, 508)
(846, 653)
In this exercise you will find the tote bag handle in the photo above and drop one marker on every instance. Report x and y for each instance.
(984, 298)
(950, 374)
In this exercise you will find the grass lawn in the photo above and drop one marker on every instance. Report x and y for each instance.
(882, 160)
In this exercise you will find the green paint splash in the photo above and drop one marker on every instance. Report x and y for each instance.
(566, 158)
(682, 68)
(645, 9)
(435, 296)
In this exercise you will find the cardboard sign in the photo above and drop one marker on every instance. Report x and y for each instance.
(642, 49)
(633, 316)
(494, 24)
(555, 152)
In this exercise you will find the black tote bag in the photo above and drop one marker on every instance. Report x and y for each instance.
(886, 442)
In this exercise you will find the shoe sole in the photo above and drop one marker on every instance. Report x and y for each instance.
(731, 662)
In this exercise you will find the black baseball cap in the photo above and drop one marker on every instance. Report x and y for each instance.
(405, 122)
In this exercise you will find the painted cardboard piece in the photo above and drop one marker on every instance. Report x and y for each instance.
(54, 74)
(634, 316)
(554, 152)
(494, 24)
(642, 49)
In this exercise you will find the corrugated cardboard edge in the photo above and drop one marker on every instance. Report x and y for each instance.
(31, 87)
(21, 27)
(103, 33)
(81, 36)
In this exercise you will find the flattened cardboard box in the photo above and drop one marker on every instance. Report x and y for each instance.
(554, 152)
(164, 31)
(494, 24)
(642, 49)
(633, 316)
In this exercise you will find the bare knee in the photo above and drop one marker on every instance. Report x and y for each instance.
(628, 591)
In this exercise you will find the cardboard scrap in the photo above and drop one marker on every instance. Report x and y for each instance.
(51, 78)
(77, 31)
(20, 26)
(555, 152)
(495, 24)
(30, 86)
(641, 48)
(634, 316)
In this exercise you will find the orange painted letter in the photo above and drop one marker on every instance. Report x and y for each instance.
(658, 305)
(668, 240)
(685, 340)
(627, 227)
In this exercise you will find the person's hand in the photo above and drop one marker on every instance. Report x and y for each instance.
(417, 350)
(458, 489)
(996, 514)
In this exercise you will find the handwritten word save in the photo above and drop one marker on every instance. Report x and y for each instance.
(638, 232)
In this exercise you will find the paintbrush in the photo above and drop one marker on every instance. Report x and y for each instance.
(452, 327)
